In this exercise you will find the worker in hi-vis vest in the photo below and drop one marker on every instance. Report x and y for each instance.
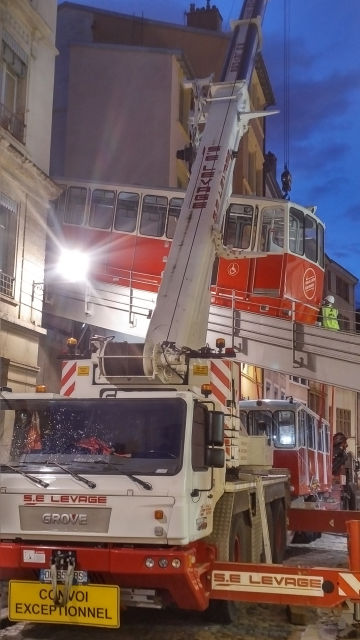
(329, 315)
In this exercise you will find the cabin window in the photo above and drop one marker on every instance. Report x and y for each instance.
(296, 231)
(302, 428)
(75, 205)
(173, 215)
(321, 245)
(272, 229)
(310, 431)
(198, 439)
(310, 238)
(238, 226)
(102, 209)
(153, 216)
(126, 211)
(260, 423)
(284, 429)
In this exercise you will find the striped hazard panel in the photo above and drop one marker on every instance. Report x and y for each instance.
(349, 585)
(220, 376)
(68, 375)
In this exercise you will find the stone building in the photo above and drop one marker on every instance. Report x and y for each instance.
(27, 37)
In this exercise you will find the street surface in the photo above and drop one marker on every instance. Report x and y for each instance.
(255, 622)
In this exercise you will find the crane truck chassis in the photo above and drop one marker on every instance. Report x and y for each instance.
(186, 522)
(138, 487)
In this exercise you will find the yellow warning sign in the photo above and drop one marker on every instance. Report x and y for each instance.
(93, 605)
(83, 370)
(200, 370)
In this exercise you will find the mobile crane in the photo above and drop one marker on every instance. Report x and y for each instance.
(139, 478)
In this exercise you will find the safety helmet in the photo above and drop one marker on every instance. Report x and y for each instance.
(330, 299)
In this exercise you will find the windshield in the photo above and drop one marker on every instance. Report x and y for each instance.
(144, 435)
(284, 429)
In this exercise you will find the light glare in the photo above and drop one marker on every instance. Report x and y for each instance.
(73, 265)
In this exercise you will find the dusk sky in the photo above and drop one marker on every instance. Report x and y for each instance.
(324, 102)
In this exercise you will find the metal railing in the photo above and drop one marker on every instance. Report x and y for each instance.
(15, 124)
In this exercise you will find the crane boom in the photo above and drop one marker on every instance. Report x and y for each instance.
(181, 314)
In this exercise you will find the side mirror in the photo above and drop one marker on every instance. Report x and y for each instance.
(215, 429)
(215, 458)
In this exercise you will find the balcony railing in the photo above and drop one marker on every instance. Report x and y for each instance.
(6, 285)
(13, 123)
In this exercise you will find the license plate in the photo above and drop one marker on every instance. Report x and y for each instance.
(93, 605)
(80, 577)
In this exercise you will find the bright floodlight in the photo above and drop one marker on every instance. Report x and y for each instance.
(73, 265)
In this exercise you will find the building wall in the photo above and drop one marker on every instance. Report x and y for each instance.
(202, 53)
(343, 412)
(122, 120)
(341, 284)
(27, 62)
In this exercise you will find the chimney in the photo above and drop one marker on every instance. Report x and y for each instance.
(205, 18)
(270, 164)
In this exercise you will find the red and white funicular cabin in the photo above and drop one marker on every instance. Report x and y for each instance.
(301, 441)
(276, 267)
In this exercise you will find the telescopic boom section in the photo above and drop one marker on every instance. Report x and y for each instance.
(182, 309)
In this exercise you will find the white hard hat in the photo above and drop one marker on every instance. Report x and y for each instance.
(330, 299)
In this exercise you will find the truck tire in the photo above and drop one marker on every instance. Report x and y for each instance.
(278, 541)
(239, 550)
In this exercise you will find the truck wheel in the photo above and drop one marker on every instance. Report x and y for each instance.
(279, 531)
(227, 611)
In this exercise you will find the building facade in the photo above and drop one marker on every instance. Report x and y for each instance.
(135, 98)
(27, 37)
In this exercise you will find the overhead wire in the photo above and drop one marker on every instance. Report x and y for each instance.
(286, 178)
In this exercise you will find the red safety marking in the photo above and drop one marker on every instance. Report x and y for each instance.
(67, 377)
(69, 390)
(218, 373)
(68, 374)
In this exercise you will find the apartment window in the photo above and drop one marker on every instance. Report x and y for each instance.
(184, 105)
(8, 231)
(13, 76)
(299, 380)
(267, 389)
(342, 288)
(343, 421)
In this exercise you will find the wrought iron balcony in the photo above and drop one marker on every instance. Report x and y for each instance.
(15, 124)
